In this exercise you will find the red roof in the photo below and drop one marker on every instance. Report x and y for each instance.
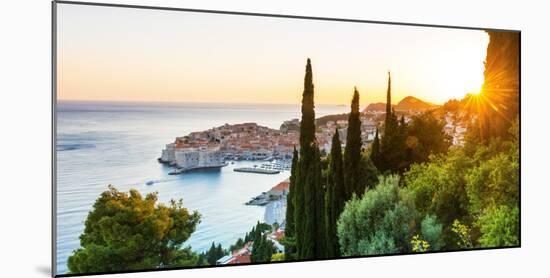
(282, 186)
(277, 234)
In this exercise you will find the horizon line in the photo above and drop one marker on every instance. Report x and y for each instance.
(229, 102)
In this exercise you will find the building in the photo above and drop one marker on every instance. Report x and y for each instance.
(280, 189)
(241, 256)
(169, 153)
(202, 157)
(188, 154)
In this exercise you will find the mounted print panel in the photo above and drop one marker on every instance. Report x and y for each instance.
(189, 139)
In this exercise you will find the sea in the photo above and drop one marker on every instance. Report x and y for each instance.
(118, 143)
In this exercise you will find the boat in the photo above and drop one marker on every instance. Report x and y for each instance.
(150, 182)
(176, 172)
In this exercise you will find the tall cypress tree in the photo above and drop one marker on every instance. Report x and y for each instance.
(289, 226)
(307, 125)
(352, 154)
(392, 143)
(388, 100)
(308, 205)
(375, 150)
(335, 195)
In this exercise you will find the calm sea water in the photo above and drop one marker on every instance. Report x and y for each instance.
(102, 143)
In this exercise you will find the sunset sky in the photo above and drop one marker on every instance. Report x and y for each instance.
(107, 53)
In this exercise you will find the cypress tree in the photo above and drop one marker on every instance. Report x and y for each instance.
(318, 216)
(307, 125)
(308, 205)
(392, 143)
(335, 195)
(219, 251)
(211, 255)
(388, 101)
(375, 150)
(289, 225)
(352, 154)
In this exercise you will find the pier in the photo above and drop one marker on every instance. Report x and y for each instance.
(256, 170)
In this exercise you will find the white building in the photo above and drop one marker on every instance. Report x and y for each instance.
(203, 157)
(192, 157)
(168, 154)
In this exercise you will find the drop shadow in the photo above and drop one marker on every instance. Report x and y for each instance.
(45, 270)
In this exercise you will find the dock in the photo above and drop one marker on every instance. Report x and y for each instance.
(256, 170)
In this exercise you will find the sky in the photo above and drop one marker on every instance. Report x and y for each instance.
(123, 54)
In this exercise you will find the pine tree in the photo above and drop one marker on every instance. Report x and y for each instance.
(335, 195)
(375, 150)
(352, 153)
(211, 255)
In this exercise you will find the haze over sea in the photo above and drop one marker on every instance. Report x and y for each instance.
(118, 143)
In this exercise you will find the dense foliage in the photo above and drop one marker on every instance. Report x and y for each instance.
(425, 137)
(214, 253)
(125, 231)
(381, 222)
(480, 189)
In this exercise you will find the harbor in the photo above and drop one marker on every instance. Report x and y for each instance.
(256, 170)
(273, 167)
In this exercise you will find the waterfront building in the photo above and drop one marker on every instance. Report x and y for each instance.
(168, 154)
(202, 157)
(281, 189)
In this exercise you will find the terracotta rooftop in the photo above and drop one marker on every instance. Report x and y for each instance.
(284, 185)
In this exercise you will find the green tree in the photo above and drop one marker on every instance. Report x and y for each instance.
(353, 178)
(381, 222)
(392, 144)
(432, 232)
(309, 194)
(439, 187)
(425, 137)
(201, 260)
(215, 253)
(368, 171)
(127, 232)
(289, 219)
(238, 244)
(500, 227)
(336, 194)
(262, 250)
(375, 150)
(494, 182)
